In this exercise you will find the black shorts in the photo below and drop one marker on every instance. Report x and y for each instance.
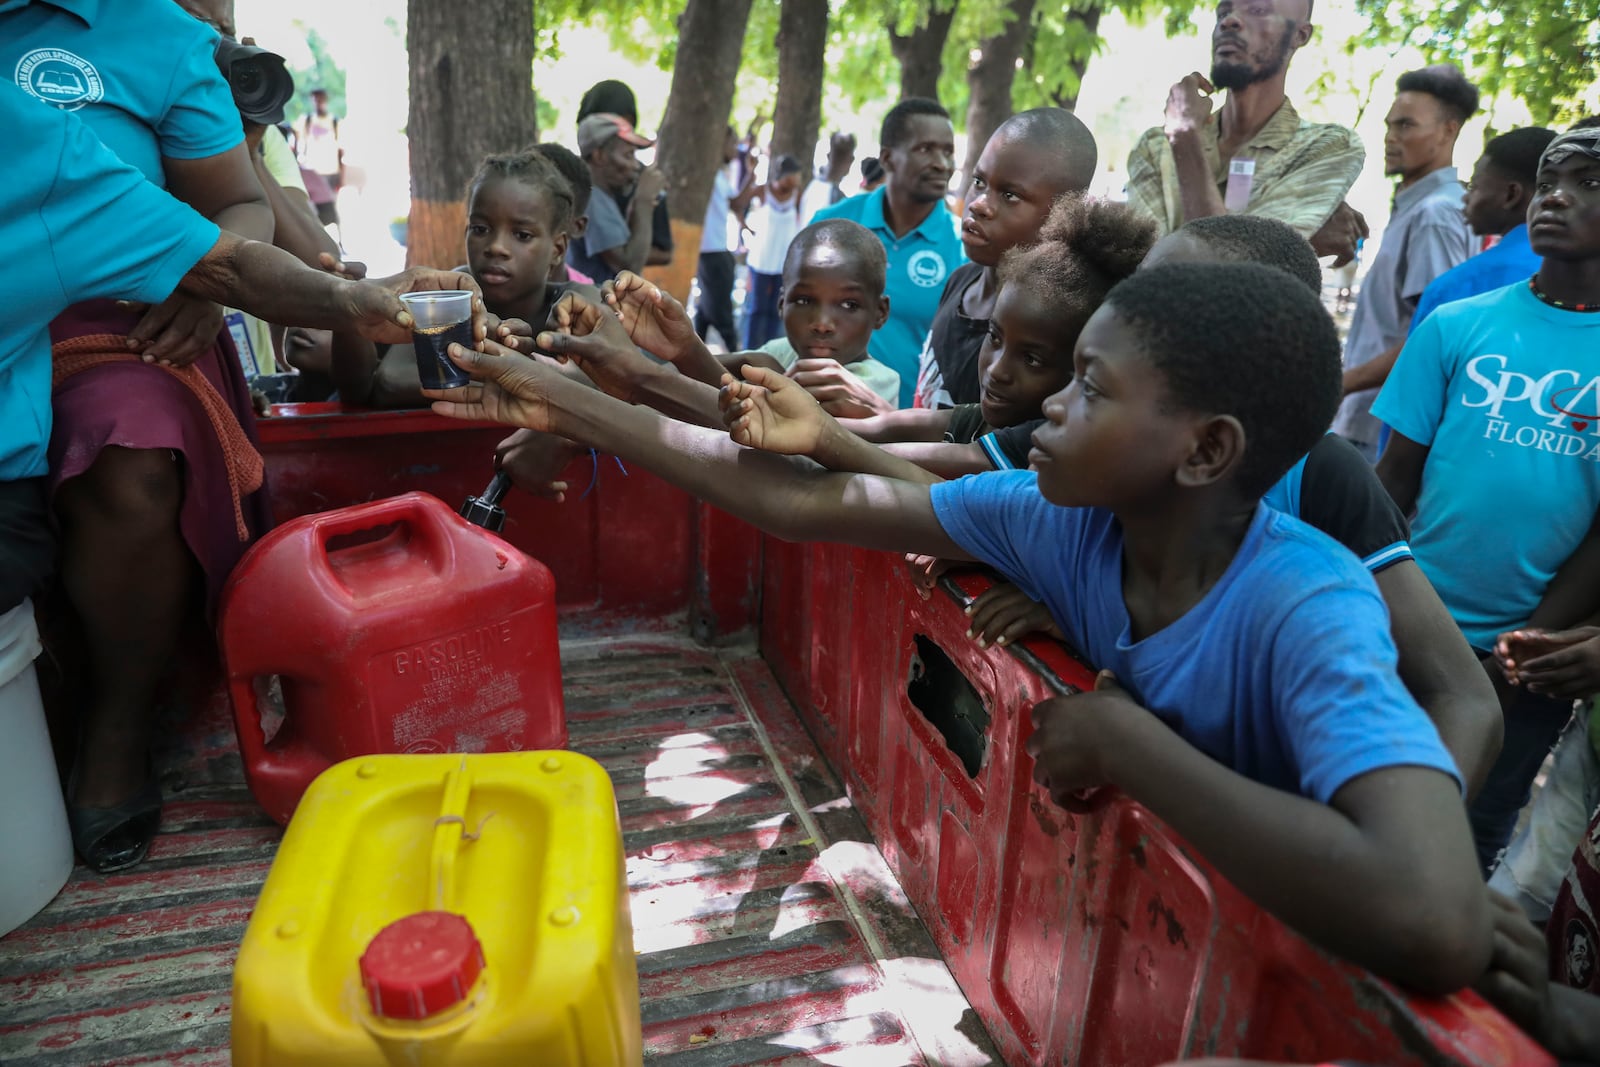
(27, 546)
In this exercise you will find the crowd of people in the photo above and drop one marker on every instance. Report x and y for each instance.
(1341, 591)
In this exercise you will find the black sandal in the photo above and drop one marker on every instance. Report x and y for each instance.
(116, 838)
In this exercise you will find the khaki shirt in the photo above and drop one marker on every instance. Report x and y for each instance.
(1303, 171)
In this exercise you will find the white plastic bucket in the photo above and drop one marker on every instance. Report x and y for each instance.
(34, 838)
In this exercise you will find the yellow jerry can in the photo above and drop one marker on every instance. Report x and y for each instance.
(468, 910)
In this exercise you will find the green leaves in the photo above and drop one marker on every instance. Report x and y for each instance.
(1544, 52)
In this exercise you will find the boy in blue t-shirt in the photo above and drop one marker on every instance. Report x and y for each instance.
(1495, 408)
(1255, 706)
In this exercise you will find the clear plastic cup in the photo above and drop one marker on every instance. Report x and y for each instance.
(442, 318)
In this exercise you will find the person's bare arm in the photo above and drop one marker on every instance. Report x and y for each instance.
(296, 228)
(1382, 875)
(906, 425)
(788, 497)
(272, 285)
(224, 189)
(1373, 373)
(1188, 109)
(1441, 672)
(1400, 470)
(943, 458)
(632, 256)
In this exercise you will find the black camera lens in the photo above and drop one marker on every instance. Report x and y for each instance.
(260, 82)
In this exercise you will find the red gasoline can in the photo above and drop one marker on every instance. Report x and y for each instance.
(391, 627)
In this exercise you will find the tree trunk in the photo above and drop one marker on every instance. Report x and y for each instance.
(921, 53)
(989, 85)
(1090, 17)
(710, 40)
(802, 60)
(471, 64)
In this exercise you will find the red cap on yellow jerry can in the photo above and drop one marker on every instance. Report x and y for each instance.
(420, 965)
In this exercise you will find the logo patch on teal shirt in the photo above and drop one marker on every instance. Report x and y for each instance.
(61, 78)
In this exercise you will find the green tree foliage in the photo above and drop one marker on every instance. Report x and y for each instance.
(323, 73)
(1544, 52)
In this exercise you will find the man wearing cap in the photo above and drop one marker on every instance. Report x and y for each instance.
(615, 242)
(1494, 405)
(611, 97)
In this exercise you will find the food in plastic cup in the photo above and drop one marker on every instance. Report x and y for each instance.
(441, 318)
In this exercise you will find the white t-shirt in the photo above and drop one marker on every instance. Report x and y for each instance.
(775, 223)
(714, 238)
(818, 195)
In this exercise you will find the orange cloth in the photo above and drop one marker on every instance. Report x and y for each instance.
(245, 468)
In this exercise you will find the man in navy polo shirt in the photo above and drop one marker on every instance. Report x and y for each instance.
(921, 236)
(77, 223)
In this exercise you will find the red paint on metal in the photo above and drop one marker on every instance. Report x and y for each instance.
(622, 549)
(1097, 938)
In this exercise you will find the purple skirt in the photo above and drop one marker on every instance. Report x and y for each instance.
(134, 405)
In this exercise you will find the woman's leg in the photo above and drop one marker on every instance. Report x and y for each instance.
(130, 578)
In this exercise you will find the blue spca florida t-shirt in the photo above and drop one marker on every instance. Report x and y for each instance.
(1505, 392)
(1285, 670)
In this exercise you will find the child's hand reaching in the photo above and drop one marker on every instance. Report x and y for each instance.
(772, 413)
(926, 572)
(1562, 663)
(507, 388)
(1003, 613)
(654, 320)
(1066, 745)
(841, 394)
(515, 334)
(596, 342)
(534, 460)
(1518, 979)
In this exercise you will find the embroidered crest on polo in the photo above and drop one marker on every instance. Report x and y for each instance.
(59, 77)
(927, 269)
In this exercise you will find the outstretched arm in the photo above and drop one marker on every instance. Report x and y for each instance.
(1381, 875)
(770, 411)
(789, 498)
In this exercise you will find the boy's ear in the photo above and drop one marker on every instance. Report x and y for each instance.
(883, 313)
(1217, 448)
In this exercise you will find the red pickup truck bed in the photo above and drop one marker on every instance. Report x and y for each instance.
(835, 852)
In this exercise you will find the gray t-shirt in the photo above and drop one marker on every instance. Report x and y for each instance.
(1426, 236)
(608, 229)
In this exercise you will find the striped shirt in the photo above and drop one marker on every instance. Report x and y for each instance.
(1303, 171)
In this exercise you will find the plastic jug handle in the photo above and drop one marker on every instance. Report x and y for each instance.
(253, 750)
(427, 516)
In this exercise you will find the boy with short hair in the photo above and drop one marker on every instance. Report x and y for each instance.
(831, 303)
(1033, 159)
(1495, 410)
(1261, 716)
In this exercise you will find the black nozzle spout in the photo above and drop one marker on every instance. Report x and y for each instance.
(484, 509)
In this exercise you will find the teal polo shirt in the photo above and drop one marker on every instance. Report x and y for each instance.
(75, 223)
(919, 263)
(141, 74)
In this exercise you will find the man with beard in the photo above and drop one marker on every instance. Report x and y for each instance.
(920, 235)
(1255, 156)
(1426, 236)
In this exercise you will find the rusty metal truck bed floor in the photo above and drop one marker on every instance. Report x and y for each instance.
(767, 926)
